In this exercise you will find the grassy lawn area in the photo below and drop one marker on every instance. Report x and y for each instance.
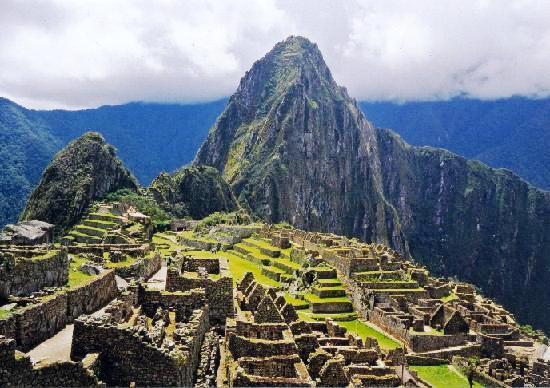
(4, 313)
(129, 261)
(295, 301)
(308, 316)
(239, 267)
(363, 330)
(77, 277)
(315, 299)
(448, 298)
(189, 234)
(443, 376)
(165, 240)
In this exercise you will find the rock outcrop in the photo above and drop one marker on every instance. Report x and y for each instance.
(195, 191)
(82, 172)
(294, 147)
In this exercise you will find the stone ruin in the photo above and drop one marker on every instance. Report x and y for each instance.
(31, 232)
(267, 345)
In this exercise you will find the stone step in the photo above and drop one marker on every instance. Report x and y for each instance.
(90, 231)
(329, 292)
(368, 276)
(84, 238)
(106, 217)
(390, 284)
(263, 247)
(272, 272)
(324, 272)
(286, 265)
(100, 224)
(331, 307)
(329, 282)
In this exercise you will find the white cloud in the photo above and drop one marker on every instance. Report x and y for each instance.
(87, 53)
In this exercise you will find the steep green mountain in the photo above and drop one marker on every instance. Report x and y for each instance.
(86, 170)
(25, 148)
(512, 133)
(294, 147)
(194, 191)
(150, 138)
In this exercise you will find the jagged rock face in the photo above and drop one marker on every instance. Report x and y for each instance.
(195, 191)
(294, 147)
(82, 172)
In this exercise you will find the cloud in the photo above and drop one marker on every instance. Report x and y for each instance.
(87, 53)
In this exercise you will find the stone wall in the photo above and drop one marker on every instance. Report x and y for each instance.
(192, 264)
(130, 358)
(23, 276)
(17, 370)
(182, 302)
(38, 322)
(8, 327)
(241, 346)
(143, 268)
(91, 296)
(425, 342)
(219, 293)
(126, 357)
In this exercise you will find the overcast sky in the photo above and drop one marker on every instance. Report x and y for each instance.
(73, 54)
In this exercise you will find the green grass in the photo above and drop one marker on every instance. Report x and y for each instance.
(295, 301)
(161, 239)
(77, 277)
(110, 215)
(322, 282)
(315, 299)
(4, 314)
(308, 316)
(47, 255)
(238, 267)
(448, 298)
(443, 376)
(364, 330)
(190, 235)
(125, 263)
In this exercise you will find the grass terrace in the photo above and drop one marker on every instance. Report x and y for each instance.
(443, 376)
(450, 297)
(77, 277)
(364, 330)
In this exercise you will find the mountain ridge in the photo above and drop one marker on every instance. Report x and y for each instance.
(85, 170)
(323, 166)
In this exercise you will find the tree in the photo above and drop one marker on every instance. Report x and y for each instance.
(470, 369)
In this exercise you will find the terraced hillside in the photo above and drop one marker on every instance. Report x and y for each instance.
(325, 297)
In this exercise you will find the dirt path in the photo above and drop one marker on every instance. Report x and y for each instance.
(158, 280)
(57, 348)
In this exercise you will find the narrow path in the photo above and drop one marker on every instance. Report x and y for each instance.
(158, 280)
(56, 348)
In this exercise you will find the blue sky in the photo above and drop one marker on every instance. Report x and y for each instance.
(73, 54)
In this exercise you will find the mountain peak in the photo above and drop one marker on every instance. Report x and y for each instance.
(85, 170)
(295, 63)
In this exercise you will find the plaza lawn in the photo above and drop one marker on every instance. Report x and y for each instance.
(77, 277)
(363, 330)
(443, 376)
(239, 267)
(4, 314)
(448, 298)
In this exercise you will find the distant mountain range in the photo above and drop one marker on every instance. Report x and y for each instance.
(150, 138)
(511, 133)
